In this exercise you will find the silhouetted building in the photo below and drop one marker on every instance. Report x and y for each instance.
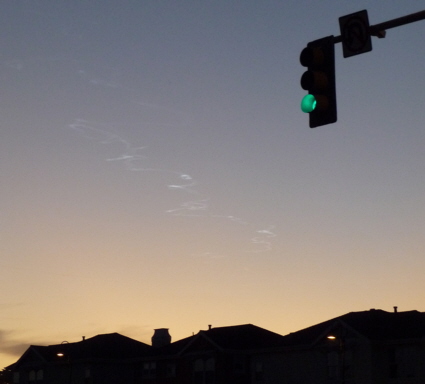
(357, 348)
(218, 355)
(369, 347)
(100, 359)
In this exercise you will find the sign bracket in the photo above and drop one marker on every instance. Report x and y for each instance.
(378, 30)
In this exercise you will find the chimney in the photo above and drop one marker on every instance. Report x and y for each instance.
(161, 337)
(209, 327)
(395, 309)
(84, 338)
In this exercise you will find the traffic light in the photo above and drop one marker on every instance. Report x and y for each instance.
(319, 81)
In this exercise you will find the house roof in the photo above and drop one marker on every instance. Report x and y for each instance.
(375, 325)
(230, 338)
(105, 346)
(237, 338)
(241, 337)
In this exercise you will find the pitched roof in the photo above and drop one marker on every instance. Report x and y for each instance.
(380, 325)
(231, 338)
(106, 346)
(374, 325)
(240, 337)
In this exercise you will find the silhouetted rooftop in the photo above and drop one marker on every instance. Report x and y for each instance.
(237, 337)
(375, 325)
(105, 346)
(241, 337)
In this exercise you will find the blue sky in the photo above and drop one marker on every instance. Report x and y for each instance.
(157, 171)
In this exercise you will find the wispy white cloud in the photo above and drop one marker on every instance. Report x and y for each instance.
(135, 158)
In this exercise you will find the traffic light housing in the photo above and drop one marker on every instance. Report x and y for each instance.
(319, 81)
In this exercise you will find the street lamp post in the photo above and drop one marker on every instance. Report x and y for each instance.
(67, 356)
(341, 354)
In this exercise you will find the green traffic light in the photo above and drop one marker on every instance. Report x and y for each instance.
(308, 103)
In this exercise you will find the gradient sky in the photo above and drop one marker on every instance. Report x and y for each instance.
(156, 169)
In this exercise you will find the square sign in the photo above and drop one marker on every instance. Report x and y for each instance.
(355, 34)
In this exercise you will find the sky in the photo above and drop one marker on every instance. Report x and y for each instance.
(157, 171)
